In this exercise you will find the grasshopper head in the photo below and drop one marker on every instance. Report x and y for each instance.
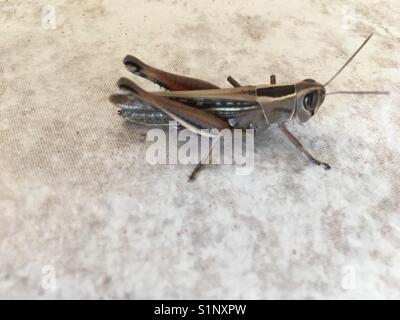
(309, 97)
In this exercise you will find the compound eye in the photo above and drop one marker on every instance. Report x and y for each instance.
(309, 101)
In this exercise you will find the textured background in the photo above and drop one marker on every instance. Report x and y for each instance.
(77, 194)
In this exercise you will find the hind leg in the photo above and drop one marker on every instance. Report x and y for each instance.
(165, 79)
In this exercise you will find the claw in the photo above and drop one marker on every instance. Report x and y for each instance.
(326, 166)
(320, 163)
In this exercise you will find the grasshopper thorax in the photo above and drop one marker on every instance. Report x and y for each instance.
(309, 97)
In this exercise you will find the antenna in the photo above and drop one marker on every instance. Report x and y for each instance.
(348, 61)
(358, 92)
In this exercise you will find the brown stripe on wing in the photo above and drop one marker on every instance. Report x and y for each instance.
(189, 117)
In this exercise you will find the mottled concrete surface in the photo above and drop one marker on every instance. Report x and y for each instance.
(76, 193)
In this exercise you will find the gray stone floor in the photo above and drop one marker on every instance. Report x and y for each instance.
(82, 215)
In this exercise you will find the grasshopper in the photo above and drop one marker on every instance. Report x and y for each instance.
(196, 104)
